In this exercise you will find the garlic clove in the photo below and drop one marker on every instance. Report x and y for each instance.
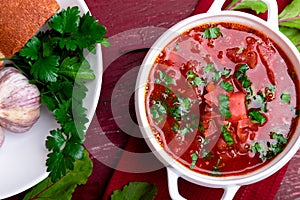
(19, 101)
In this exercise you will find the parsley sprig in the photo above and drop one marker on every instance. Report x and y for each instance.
(268, 150)
(212, 33)
(54, 61)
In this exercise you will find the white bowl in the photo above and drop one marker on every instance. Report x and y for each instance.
(175, 170)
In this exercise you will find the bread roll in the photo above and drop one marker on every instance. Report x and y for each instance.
(20, 20)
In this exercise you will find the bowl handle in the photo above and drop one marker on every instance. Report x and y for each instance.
(173, 184)
(229, 191)
(272, 11)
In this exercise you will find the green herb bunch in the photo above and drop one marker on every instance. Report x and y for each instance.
(54, 61)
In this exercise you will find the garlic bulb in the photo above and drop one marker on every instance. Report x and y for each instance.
(2, 136)
(19, 101)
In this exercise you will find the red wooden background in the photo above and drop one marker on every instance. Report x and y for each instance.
(135, 24)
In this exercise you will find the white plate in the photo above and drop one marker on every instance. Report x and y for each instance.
(23, 156)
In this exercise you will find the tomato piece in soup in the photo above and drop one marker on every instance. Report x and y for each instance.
(237, 106)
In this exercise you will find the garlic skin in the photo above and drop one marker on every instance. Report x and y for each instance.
(19, 101)
(2, 137)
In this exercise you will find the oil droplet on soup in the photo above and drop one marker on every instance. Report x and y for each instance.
(222, 100)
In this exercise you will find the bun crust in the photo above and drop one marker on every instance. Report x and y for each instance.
(20, 20)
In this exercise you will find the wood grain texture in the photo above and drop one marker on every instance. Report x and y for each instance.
(134, 24)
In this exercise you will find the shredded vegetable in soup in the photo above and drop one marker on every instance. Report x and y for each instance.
(222, 99)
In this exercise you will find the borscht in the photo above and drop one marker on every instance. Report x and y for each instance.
(222, 99)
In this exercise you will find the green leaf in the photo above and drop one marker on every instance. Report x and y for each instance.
(185, 104)
(80, 91)
(193, 79)
(165, 78)
(85, 72)
(48, 101)
(90, 31)
(256, 5)
(75, 150)
(75, 69)
(62, 113)
(285, 98)
(64, 188)
(217, 75)
(191, 74)
(226, 72)
(257, 117)
(226, 135)
(158, 110)
(209, 68)
(67, 21)
(55, 141)
(260, 101)
(136, 191)
(226, 86)
(31, 49)
(45, 69)
(280, 138)
(56, 165)
(293, 34)
(224, 105)
(290, 16)
(104, 42)
(194, 157)
(241, 75)
(268, 150)
(212, 33)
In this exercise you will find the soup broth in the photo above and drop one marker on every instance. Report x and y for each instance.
(221, 99)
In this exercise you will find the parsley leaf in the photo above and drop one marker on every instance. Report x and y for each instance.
(242, 77)
(285, 98)
(165, 78)
(224, 105)
(209, 68)
(66, 22)
(226, 72)
(226, 86)
(45, 69)
(56, 141)
(63, 155)
(76, 69)
(268, 150)
(77, 32)
(90, 32)
(158, 112)
(212, 33)
(226, 135)
(257, 117)
(194, 157)
(31, 49)
(279, 137)
(193, 79)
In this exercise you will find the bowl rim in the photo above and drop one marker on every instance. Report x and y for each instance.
(234, 16)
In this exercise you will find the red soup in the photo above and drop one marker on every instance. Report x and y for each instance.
(222, 100)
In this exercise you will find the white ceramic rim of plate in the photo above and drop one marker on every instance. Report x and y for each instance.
(95, 93)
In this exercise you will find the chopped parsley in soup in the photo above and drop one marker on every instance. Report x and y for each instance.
(222, 99)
